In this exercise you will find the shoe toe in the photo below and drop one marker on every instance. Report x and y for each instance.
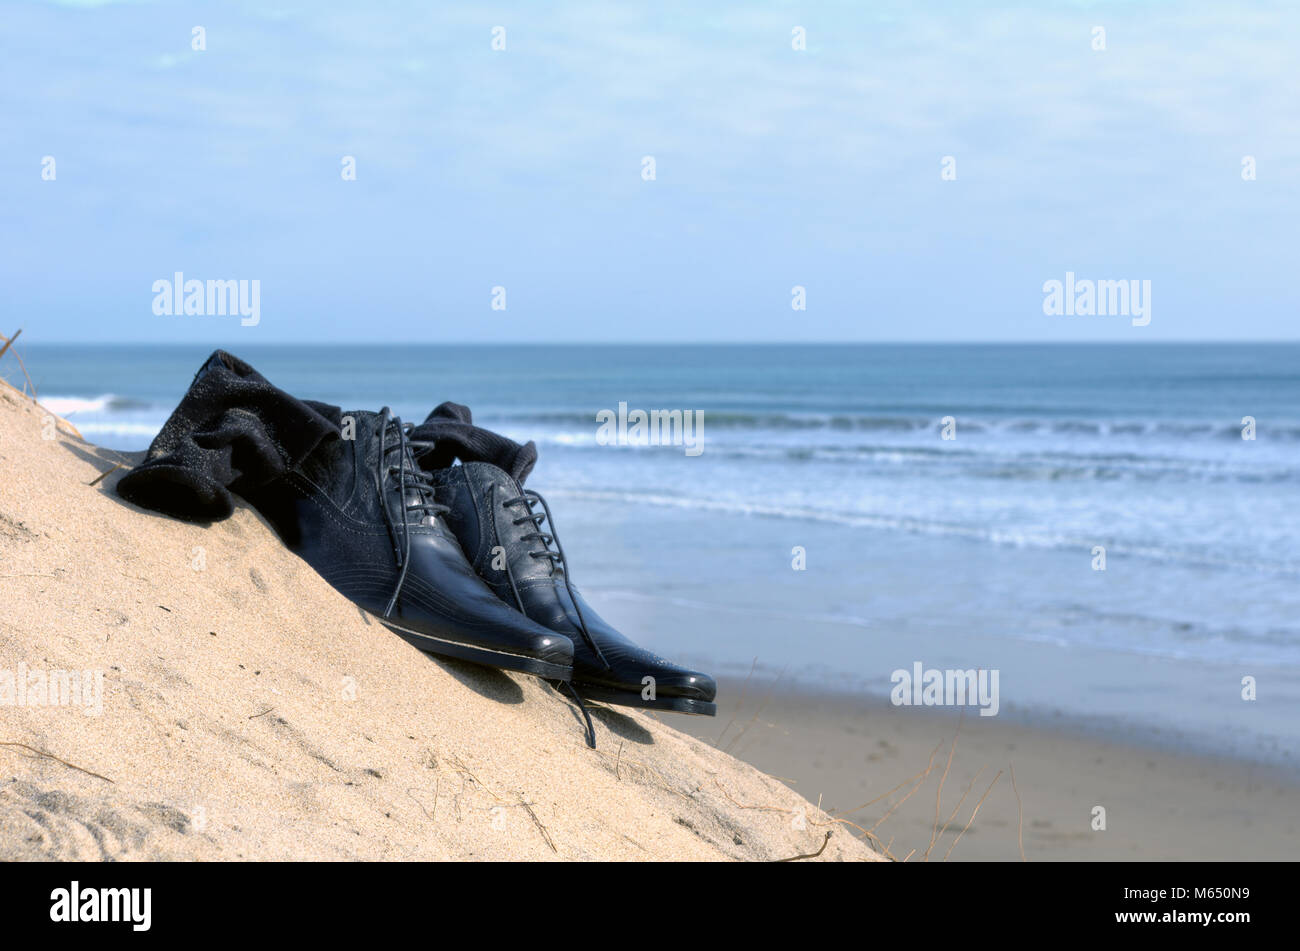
(690, 684)
(551, 647)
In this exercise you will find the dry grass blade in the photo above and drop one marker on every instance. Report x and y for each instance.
(973, 815)
(866, 834)
(460, 767)
(17, 356)
(545, 835)
(919, 784)
(43, 753)
(849, 812)
(104, 475)
(1020, 815)
(649, 774)
(966, 792)
(437, 787)
(741, 805)
(8, 341)
(740, 704)
(757, 713)
(809, 855)
(938, 797)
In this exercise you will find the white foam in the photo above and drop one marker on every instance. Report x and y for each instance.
(67, 405)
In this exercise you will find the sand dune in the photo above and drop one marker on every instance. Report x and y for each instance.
(250, 712)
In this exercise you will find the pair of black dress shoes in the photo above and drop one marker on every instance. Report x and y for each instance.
(455, 560)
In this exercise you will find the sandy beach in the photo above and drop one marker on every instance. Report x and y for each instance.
(845, 751)
(246, 711)
(230, 705)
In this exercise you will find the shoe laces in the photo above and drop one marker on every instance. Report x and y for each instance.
(409, 477)
(529, 498)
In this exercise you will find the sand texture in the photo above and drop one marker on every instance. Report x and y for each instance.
(250, 712)
(865, 761)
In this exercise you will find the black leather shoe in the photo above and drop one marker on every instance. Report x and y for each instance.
(363, 515)
(499, 527)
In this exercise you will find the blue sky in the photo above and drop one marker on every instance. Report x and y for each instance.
(523, 168)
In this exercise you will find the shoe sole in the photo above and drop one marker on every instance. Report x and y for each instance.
(632, 698)
(480, 655)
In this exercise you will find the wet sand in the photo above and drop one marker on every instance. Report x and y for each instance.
(845, 751)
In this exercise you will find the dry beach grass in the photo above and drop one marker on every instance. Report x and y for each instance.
(250, 712)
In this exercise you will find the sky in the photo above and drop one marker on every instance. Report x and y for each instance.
(524, 168)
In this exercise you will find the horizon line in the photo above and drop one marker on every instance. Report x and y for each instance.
(658, 343)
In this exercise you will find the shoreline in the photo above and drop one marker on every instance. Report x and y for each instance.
(1107, 729)
(845, 751)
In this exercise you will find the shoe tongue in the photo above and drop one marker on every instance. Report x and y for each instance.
(488, 478)
(486, 474)
(368, 429)
(487, 481)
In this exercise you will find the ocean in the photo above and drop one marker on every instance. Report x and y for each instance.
(979, 550)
